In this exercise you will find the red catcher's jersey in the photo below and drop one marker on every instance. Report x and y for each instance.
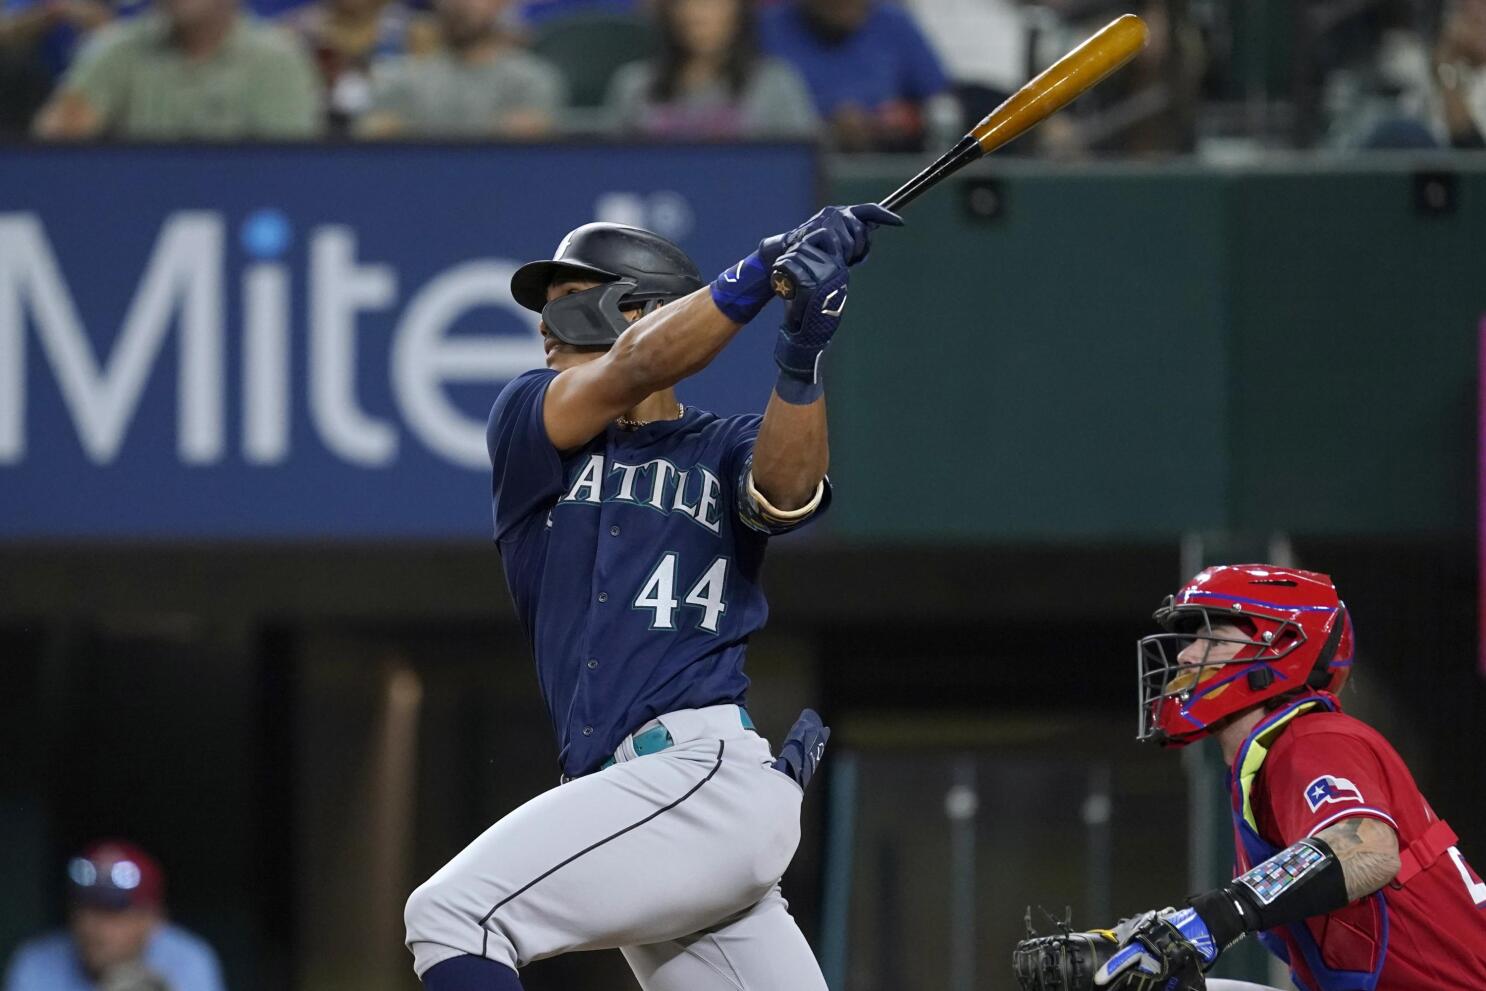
(1327, 766)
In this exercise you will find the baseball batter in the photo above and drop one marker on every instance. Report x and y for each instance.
(1344, 871)
(632, 530)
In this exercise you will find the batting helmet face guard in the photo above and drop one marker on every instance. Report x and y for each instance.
(1294, 636)
(635, 268)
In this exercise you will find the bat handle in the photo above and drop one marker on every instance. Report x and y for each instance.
(783, 283)
(966, 151)
(962, 154)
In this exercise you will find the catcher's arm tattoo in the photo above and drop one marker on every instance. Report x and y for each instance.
(1368, 851)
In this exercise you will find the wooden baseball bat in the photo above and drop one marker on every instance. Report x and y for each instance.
(1060, 84)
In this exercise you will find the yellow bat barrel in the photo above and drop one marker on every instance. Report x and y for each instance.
(1115, 44)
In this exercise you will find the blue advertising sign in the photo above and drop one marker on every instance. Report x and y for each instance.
(304, 342)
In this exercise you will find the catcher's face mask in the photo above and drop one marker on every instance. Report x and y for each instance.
(1203, 670)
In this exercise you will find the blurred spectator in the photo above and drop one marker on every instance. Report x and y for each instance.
(37, 39)
(117, 938)
(1147, 108)
(709, 80)
(1460, 74)
(273, 9)
(874, 78)
(480, 83)
(536, 13)
(1414, 95)
(52, 28)
(984, 45)
(192, 69)
(345, 36)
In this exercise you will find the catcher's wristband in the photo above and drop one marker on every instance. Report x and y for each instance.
(1299, 882)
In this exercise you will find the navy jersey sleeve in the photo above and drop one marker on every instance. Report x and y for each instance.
(738, 462)
(526, 472)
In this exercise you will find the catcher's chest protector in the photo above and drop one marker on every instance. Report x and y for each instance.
(1253, 849)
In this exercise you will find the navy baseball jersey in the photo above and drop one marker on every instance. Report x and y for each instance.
(633, 561)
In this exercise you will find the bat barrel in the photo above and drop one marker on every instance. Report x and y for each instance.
(1114, 45)
(1062, 82)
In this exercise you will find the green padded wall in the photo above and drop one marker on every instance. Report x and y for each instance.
(1129, 353)
(1354, 351)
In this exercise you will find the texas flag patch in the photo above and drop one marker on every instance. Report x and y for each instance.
(1329, 788)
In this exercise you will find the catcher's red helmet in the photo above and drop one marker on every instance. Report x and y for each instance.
(1297, 637)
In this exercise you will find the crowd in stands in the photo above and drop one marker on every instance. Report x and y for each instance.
(859, 75)
(858, 70)
(1420, 84)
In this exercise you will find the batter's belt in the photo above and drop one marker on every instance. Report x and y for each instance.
(652, 738)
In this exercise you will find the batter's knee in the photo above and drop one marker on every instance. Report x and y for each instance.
(436, 929)
(443, 920)
(421, 909)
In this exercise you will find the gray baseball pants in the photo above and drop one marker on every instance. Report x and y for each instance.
(674, 858)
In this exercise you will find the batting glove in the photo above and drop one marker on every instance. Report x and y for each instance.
(811, 316)
(852, 226)
(743, 290)
(803, 748)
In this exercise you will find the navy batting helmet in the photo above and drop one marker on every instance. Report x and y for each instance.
(633, 266)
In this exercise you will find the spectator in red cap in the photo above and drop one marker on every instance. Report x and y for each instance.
(117, 937)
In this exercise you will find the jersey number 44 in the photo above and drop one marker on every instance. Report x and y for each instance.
(658, 594)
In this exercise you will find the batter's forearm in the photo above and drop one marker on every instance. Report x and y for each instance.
(791, 452)
(674, 341)
(654, 353)
(1368, 851)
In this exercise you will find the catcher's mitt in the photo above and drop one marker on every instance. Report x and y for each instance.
(1069, 961)
(1065, 961)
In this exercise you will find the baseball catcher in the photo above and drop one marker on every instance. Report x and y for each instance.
(1344, 871)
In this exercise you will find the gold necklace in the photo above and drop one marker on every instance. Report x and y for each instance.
(625, 423)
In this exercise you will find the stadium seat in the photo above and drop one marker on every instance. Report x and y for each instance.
(590, 47)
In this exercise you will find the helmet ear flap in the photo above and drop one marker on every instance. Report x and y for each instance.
(1260, 679)
(1320, 675)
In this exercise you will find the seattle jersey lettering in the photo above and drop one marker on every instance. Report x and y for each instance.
(694, 492)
